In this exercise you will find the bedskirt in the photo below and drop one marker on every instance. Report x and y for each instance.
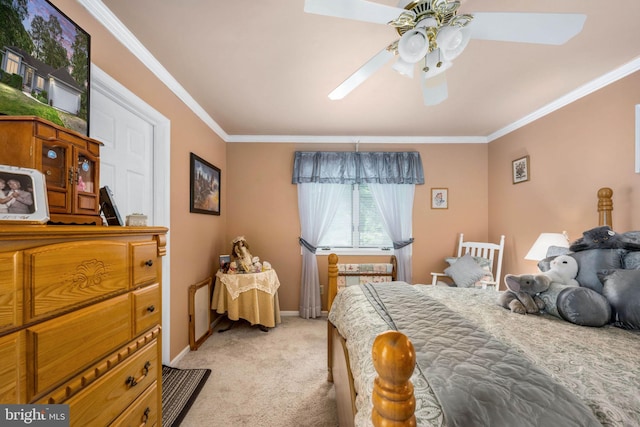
(600, 366)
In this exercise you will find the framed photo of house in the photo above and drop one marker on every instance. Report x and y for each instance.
(23, 196)
(439, 198)
(44, 65)
(205, 187)
(520, 170)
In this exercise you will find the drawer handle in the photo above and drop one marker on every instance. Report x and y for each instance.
(149, 263)
(145, 417)
(151, 309)
(132, 382)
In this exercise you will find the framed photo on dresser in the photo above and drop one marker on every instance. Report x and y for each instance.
(23, 196)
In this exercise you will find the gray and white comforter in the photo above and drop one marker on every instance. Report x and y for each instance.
(593, 373)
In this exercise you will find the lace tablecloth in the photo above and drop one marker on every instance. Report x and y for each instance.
(266, 281)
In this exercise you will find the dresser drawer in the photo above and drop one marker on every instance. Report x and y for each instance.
(61, 347)
(65, 275)
(10, 290)
(143, 412)
(146, 307)
(12, 369)
(103, 401)
(145, 262)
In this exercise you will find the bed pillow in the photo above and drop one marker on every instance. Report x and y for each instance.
(631, 261)
(581, 306)
(465, 272)
(592, 261)
(482, 262)
(622, 290)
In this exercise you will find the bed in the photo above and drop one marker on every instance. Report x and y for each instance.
(426, 355)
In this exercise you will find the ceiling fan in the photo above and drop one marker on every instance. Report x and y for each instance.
(433, 34)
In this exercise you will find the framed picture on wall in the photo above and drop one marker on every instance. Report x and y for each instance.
(45, 65)
(205, 187)
(520, 170)
(439, 198)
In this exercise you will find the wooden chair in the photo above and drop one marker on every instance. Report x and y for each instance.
(490, 251)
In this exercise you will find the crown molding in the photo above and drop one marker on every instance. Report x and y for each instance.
(582, 91)
(310, 139)
(126, 37)
(104, 15)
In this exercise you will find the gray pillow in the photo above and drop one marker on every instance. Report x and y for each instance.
(631, 261)
(591, 261)
(622, 290)
(482, 262)
(465, 272)
(581, 306)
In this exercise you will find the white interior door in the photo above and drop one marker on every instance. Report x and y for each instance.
(135, 164)
(126, 158)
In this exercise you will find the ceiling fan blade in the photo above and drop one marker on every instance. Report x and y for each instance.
(434, 90)
(541, 28)
(359, 10)
(363, 73)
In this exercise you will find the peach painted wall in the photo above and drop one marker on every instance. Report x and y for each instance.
(263, 205)
(195, 239)
(574, 151)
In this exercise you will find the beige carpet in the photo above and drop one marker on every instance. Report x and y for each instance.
(264, 379)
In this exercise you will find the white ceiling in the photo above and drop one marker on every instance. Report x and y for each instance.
(262, 70)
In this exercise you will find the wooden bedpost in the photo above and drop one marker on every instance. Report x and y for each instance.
(331, 294)
(605, 207)
(394, 359)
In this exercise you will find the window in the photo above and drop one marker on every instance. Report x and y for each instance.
(357, 225)
(13, 63)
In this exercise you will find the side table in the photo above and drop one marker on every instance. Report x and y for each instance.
(250, 296)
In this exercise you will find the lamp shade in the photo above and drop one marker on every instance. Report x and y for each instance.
(539, 249)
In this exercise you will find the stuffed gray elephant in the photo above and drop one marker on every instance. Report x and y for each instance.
(522, 294)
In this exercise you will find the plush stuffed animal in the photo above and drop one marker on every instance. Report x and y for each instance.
(563, 269)
(241, 255)
(522, 294)
(603, 237)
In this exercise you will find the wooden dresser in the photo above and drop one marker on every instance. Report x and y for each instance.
(80, 314)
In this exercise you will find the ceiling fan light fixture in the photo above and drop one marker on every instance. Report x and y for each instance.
(434, 65)
(455, 41)
(403, 67)
(413, 45)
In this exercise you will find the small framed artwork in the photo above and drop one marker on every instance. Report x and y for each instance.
(23, 196)
(520, 170)
(205, 187)
(439, 198)
(225, 261)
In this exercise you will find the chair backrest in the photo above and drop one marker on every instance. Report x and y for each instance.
(491, 251)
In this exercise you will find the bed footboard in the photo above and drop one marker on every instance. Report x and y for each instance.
(394, 361)
(393, 401)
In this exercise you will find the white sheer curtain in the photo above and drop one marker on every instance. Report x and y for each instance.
(317, 205)
(395, 202)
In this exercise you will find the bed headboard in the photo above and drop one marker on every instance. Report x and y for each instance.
(605, 206)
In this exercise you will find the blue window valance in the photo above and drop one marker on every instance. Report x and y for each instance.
(348, 167)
